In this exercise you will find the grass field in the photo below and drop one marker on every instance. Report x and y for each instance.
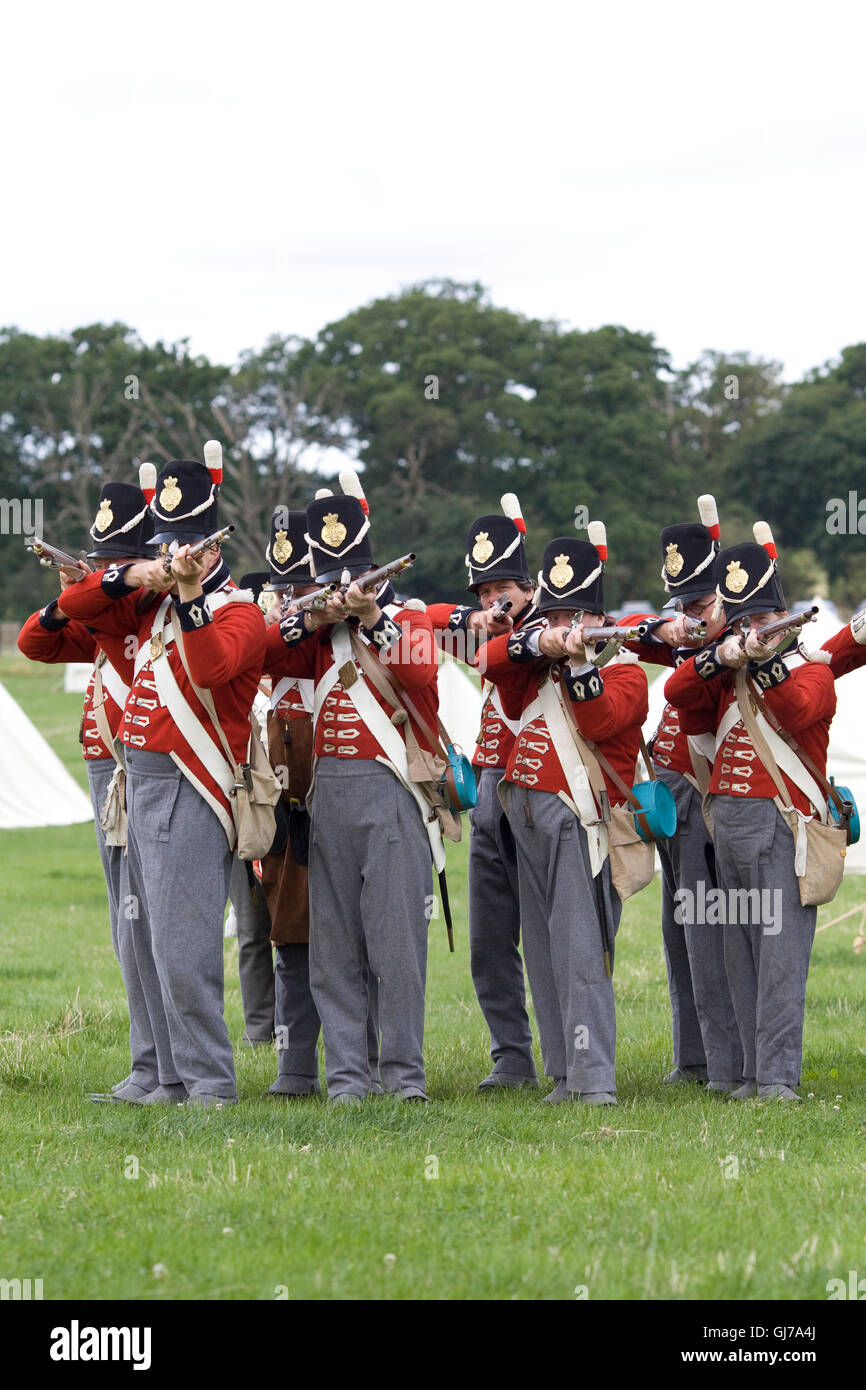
(671, 1195)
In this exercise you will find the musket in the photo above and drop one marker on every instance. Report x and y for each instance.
(615, 633)
(51, 557)
(376, 577)
(696, 628)
(500, 608)
(611, 639)
(793, 623)
(197, 550)
(318, 599)
(620, 633)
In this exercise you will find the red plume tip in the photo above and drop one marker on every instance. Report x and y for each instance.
(715, 531)
(149, 494)
(771, 550)
(365, 505)
(602, 550)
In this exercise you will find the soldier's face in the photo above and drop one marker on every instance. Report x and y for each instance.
(702, 609)
(494, 590)
(561, 617)
(756, 620)
(762, 619)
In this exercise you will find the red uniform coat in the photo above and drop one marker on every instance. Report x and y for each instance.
(495, 741)
(412, 661)
(612, 719)
(803, 704)
(225, 656)
(845, 650)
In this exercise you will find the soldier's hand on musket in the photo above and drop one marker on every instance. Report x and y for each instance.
(71, 575)
(575, 644)
(732, 653)
(487, 621)
(334, 611)
(552, 642)
(184, 568)
(677, 633)
(276, 612)
(148, 574)
(761, 651)
(361, 605)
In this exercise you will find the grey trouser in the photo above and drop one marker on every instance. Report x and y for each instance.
(494, 932)
(180, 857)
(296, 1015)
(767, 959)
(705, 1030)
(371, 895)
(297, 1018)
(562, 940)
(122, 909)
(255, 953)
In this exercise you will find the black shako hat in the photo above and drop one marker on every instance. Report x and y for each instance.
(186, 502)
(688, 561)
(571, 576)
(747, 580)
(288, 551)
(122, 525)
(338, 534)
(265, 598)
(495, 546)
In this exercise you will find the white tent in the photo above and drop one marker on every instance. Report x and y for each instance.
(846, 761)
(35, 788)
(460, 705)
(76, 676)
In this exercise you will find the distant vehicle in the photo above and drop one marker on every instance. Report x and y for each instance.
(633, 606)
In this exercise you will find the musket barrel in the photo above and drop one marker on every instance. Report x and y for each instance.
(793, 623)
(199, 548)
(317, 599)
(376, 577)
(49, 555)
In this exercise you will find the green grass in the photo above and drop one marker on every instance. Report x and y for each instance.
(529, 1202)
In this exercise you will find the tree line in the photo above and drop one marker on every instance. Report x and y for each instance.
(444, 400)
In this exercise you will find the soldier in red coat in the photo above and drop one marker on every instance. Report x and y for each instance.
(284, 872)
(498, 574)
(120, 531)
(706, 1041)
(569, 908)
(196, 633)
(768, 933)
(369, 870)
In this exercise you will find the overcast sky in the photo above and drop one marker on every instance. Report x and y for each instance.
(223, 172)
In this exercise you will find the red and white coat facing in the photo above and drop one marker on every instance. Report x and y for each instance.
(225, 654)
(609, 708)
